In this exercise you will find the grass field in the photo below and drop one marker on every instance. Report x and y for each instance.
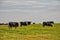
(31, 32)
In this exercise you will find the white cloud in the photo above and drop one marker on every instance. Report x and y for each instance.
(29, 3)
(54, 3)
(28, 8)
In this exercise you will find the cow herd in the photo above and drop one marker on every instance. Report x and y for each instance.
(25, 23)
(16, 24)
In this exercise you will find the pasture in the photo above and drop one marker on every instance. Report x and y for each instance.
(30, 32)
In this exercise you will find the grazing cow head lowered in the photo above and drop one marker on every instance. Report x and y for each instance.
(49, 23)
(13, 24)
(25, 23)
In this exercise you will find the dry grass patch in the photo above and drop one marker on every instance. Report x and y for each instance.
(40, 37)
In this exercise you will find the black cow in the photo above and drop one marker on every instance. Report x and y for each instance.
(47, 24)
(25, 23)
(13, 24)
(33, 23)
(28, 23)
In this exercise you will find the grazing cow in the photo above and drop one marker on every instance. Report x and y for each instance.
(28, 23)
(47, 24)
(25, 23)
(13, 24)
(33, 23)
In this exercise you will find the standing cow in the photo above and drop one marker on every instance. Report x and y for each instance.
(13, 24)
(25, 23)
(49, 23)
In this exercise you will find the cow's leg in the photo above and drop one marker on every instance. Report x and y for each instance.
(43, 25)
(21, 25)
(15, 27)
(10, 28)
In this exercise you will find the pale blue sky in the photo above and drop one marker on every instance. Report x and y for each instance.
(30, 10)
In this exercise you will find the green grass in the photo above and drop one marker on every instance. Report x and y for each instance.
(31, 32)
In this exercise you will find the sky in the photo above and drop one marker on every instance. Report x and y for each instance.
(29, 10)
